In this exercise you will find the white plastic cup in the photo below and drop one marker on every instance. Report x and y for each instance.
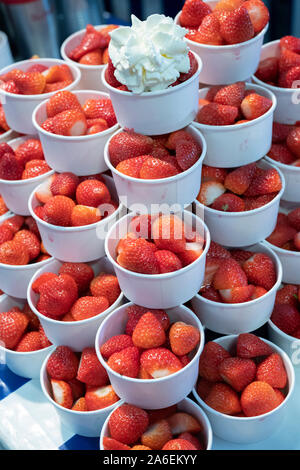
(8, 135)
(25, 364)
(76, 244)
(77, 334)
(151, 393)
(239, 144)
(251, 429)
(187, 406)
(16, 193)
(158, 290)
(82, 155)
(238, 229)
(288, 102)
(292, 179)
(290, 261)
(90, 74)
(230, 63)
(244, 317)
(157, 112)
(19, 108)
(180, 189)
(84, 423)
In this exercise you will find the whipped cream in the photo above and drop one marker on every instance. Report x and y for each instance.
(149, 55)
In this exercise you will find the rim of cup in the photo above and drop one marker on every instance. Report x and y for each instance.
(282, 251)
(150, 94)
(26, 267)
(75, 72)
(160, 379)
(282, 166)
(259, 299)
(157, 276)
(71, 323)
(159, 180)
(75, 137)
(282, 333)
(5, 134)
(291, 385)
(76, 412)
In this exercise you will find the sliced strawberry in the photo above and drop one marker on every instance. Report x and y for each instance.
(157, 435)
(62, 393)
(237, 295)
(259, 14)
(160, 362)
(255, 105)
(229, 275)
(268, 70)
(91, 40)
(70, 123)
(97, 398)
(228, 203)
(209, 192)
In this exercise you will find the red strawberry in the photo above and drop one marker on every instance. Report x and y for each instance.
(291, 43)
(191, 253)
(211, 267)
(71, 122)
(223, 399)
(286, 318)
(183, 422)
(64, 184)
(51, 87)
(148, 332)
(187, 436)
(30, 242)
(30, 83)
(91, 40)
(10, 87)
(79, 405)
(127, 144)
(237, 372)
(92, 58)
(280, 132)
(231, 95)
(212, 356)
(254, 106)
(192, 70)
(265, 183)
(135, 312)
(115, 344)
(110, 75)
(209, 192)
(100, 108)
(58, 73)
(179, 445)
(281, 154)
(84, 215)
(193, 12)
(113, 444)
(259, 14)
(44, 193)
(178, 136)
(90, 370)
(31, 149)
(229, 275)
(210, 173)
(13, 253)
(214, 114)
(237, 295)
(62, 364)
(125, 362)
(228, 203)
(268, 70)
(30, 342)
(160, 362)
(62, 101)
(241, 255)
(250, 346)
(218, 251)
(168, 233)
(106, 285)
(132, 166)
(187, 154)
(281, 235)
(211, 294)
(12, 328)
(5, 148)
(288, 59)
(35, 168)
(6, 234)
(141, 226)
(228, 5)
(294, 218)
(156, 436)
(14, 223)
(203, 388)
(96, 125)
(10, 167)
(293, 141)
(57, 295)
(258, 292)
(127, 423)
(208, 31)
(259, 398)
(260, 270)
(92, 193)
(82, 274)
(62, 393)
(97, 398)
(58, 210)
(288, 294)
(154, 168)
(238, 181)
(272, 371)
(87, 307)
(168, 261)
(236, 26)
(138, 256)
(290, 77)
(183, 338)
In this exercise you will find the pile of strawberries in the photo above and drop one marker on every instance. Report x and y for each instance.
(158, 244)
(230, 22)
(3, 208)
(245, 188)
(71, 201)
(287, 231)
(66, 116)
(79, 381)
(165, 429)
(75, 293)
(27, 161)
(237, 276)
(231, 104)
(151, 347)
(37, 79)
(20, 242)
(144, 157)
(286, 313)
(3, 124)
(285, 144)
(21, 330)
(93, 47)
(250, 380)
(284, 70)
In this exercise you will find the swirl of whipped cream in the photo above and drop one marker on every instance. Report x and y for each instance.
(149, 55)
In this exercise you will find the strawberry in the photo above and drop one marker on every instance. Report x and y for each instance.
(44, 193)
(281, 153)
(187, 436)
(71, 122)
(218, 251)
(141, 226)
(294, 218)
(91, 40)
(228, 5)
(237, 372)
(96, 125)
(177, 136)
(179, 445)
(229, 275)
(160, 362)
(212, 356)
(13, 253)
(82, 274)
(259, 398)
(193, 13)
(90, 370)
(52, 87)
(62, 364)
(58, 210)
(183, 338)
(30, 243)
(204, 387)
(297, 241)
(228, 203)
(97, 398)
(187, 154)
(100, 108)
(87, 307)
(191, 253)
(14, 223)
(6, 234)
(288, 294)
(260, 270)
(290, 77)
(3, 123)
(259, 14)
(84, 215)
(253, 106)
(30, 83)
(128, 144)
(35, 168)
(12, 328)
(272, 371)
(192, 70)
(208, 31)
(64, 184)
(148, 332)
(110, 76)
(210, 173)
(223, 399)
(236, 26)
(105, 32)
(31, 149)
(57, 295)
(135, 312)
(132, 166)
(48, 125)
(231, 95)
(3, 208)
(30, 342)
(288, 60)
(62, 393)
(62, 101)
(183, 422)
(286, 318)
(211, 267)
(250, 346)
(138, 256)
(113, 444)
(10, 167)
(241, 255)
(168, 233)
(266, 182)
(41, 280)
(92, 193)
(106, 285)
(9, 87)
(291, 43)
(214, 114)
(157, 435)
(238, 181)
(58, 73)
(237, 295)
(162, 413)
(209, 192)
(127, 423)
(154, 168)
(5, 148)
(78, 388)
(210, 293)
(168, 261)
(293, 141)
(92, 58)
(268, 70)
(125, 362)
(80, 405)
(281, 235)
(115, 344)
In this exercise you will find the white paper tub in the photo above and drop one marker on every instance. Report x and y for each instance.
(178, 190)
(243, 317)
(25, 364)
(152, 393)
(289, 344)
(238, 229)
(186, 405)
(84, 423)
(227, 64)
(288, 99)
(76, 244)
(19, 108)
(157, 112)
(82, 155)
(158, 290)
(252, 429)
(239, 144)
(292, 179)
(77, 334)
(16, 193)
(290, 261)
